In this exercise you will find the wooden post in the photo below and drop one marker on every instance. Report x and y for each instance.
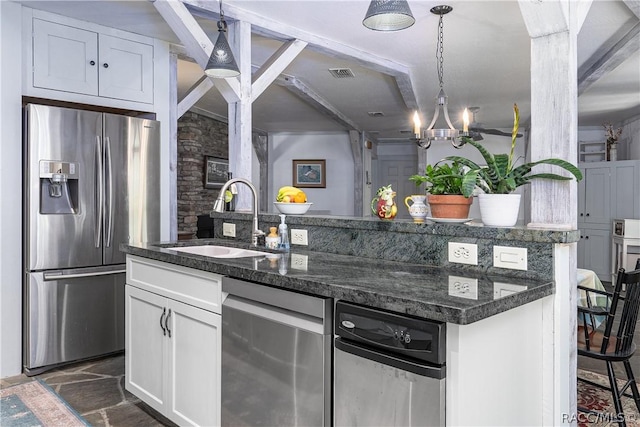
(553, 27)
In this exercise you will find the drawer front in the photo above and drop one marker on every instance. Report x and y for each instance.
(190, 286)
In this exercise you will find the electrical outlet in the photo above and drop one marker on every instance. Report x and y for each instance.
(510, 257)
(463, 287)
(299, 262)
(299, 237)
(463, 253)
(228, 229)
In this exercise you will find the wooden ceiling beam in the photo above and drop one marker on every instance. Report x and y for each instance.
(603, 62)
(193, 95)
(316, 101)
(277, 31)
(275, 65)
(196, 41)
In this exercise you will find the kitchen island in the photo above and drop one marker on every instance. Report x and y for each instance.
(495, 323)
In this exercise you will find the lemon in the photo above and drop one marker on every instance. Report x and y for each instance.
(228, 196)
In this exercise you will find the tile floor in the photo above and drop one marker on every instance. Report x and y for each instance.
(95, 389)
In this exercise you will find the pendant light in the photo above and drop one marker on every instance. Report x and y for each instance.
(221, 63)
(388, 15)
(424, 138)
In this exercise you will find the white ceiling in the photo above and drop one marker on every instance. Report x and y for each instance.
(486, 60)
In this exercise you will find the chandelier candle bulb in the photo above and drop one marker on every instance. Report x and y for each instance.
(465, 120)
(416, 124)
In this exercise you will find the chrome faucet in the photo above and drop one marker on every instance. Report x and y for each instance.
(218, 206)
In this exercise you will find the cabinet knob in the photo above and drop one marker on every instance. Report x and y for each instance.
(586, 237)
(587, 214)
(581, 214)
(92, 62)
(105, 65)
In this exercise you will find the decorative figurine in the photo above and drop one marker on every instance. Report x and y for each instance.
(384, 206)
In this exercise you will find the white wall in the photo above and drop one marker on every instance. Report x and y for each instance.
(10, 189)
(337, 197)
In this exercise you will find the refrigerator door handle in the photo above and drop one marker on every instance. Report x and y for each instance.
(110, 215)
(58, 275)
(99, 186)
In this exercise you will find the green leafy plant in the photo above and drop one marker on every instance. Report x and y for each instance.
(500, 175)
(441, 178)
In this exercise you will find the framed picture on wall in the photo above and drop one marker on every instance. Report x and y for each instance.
(309, 173)
(216, 172)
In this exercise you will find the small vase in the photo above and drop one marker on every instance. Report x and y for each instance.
(417, 208)
(613, 153)
(499, 210)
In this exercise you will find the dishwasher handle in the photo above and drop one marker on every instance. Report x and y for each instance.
(275, 314)
(423, 369)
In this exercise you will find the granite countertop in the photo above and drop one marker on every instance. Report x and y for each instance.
(413, 289)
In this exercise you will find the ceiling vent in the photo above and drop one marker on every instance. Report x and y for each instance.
(341, 73)
(375, 114)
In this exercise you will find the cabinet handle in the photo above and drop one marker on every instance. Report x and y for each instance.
(166, 323)
(92, 62)
(105, 65)
(164, 331)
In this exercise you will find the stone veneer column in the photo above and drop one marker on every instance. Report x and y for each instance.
(198, 136)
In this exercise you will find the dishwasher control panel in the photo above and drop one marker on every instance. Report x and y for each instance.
(417, 338)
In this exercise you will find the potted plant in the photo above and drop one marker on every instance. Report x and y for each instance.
(500, 177)
(444, 184)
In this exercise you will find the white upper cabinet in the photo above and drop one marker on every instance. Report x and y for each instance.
(64, 58)
(125, 69)
(86, 61)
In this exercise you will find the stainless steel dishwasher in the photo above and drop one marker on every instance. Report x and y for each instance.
(276, 356)
(389, 369)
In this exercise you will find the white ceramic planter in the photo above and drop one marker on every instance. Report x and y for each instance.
(499, 210)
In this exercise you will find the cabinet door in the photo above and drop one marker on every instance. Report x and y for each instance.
(194, 357)
(596, 196)
(146, 364)
(626, 190)
(594, 252)
(126, 69)
(64, 58)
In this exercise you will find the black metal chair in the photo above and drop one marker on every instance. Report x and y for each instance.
(602, 344)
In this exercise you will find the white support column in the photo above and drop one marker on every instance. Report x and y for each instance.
(240, 123)
(553, 27)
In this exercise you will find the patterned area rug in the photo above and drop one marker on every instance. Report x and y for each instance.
(35, 404)
(597, 399)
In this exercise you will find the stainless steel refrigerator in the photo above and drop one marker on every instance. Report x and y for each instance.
(91, 183)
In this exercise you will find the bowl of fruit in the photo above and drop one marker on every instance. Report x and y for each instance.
(291, 201)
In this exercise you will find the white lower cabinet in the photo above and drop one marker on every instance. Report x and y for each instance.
(172, 348)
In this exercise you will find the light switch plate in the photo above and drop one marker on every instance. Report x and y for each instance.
(228, 229)
(510, 257)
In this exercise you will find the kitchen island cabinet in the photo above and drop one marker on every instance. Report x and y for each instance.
(173, 341)
(494, 331)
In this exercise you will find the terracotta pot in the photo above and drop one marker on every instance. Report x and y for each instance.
(449, 206)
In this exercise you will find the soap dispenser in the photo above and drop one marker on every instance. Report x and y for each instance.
(283, 233)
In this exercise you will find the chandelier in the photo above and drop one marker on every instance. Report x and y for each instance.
(424, 137)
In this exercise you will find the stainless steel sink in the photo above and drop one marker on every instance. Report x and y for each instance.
(219, 251)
